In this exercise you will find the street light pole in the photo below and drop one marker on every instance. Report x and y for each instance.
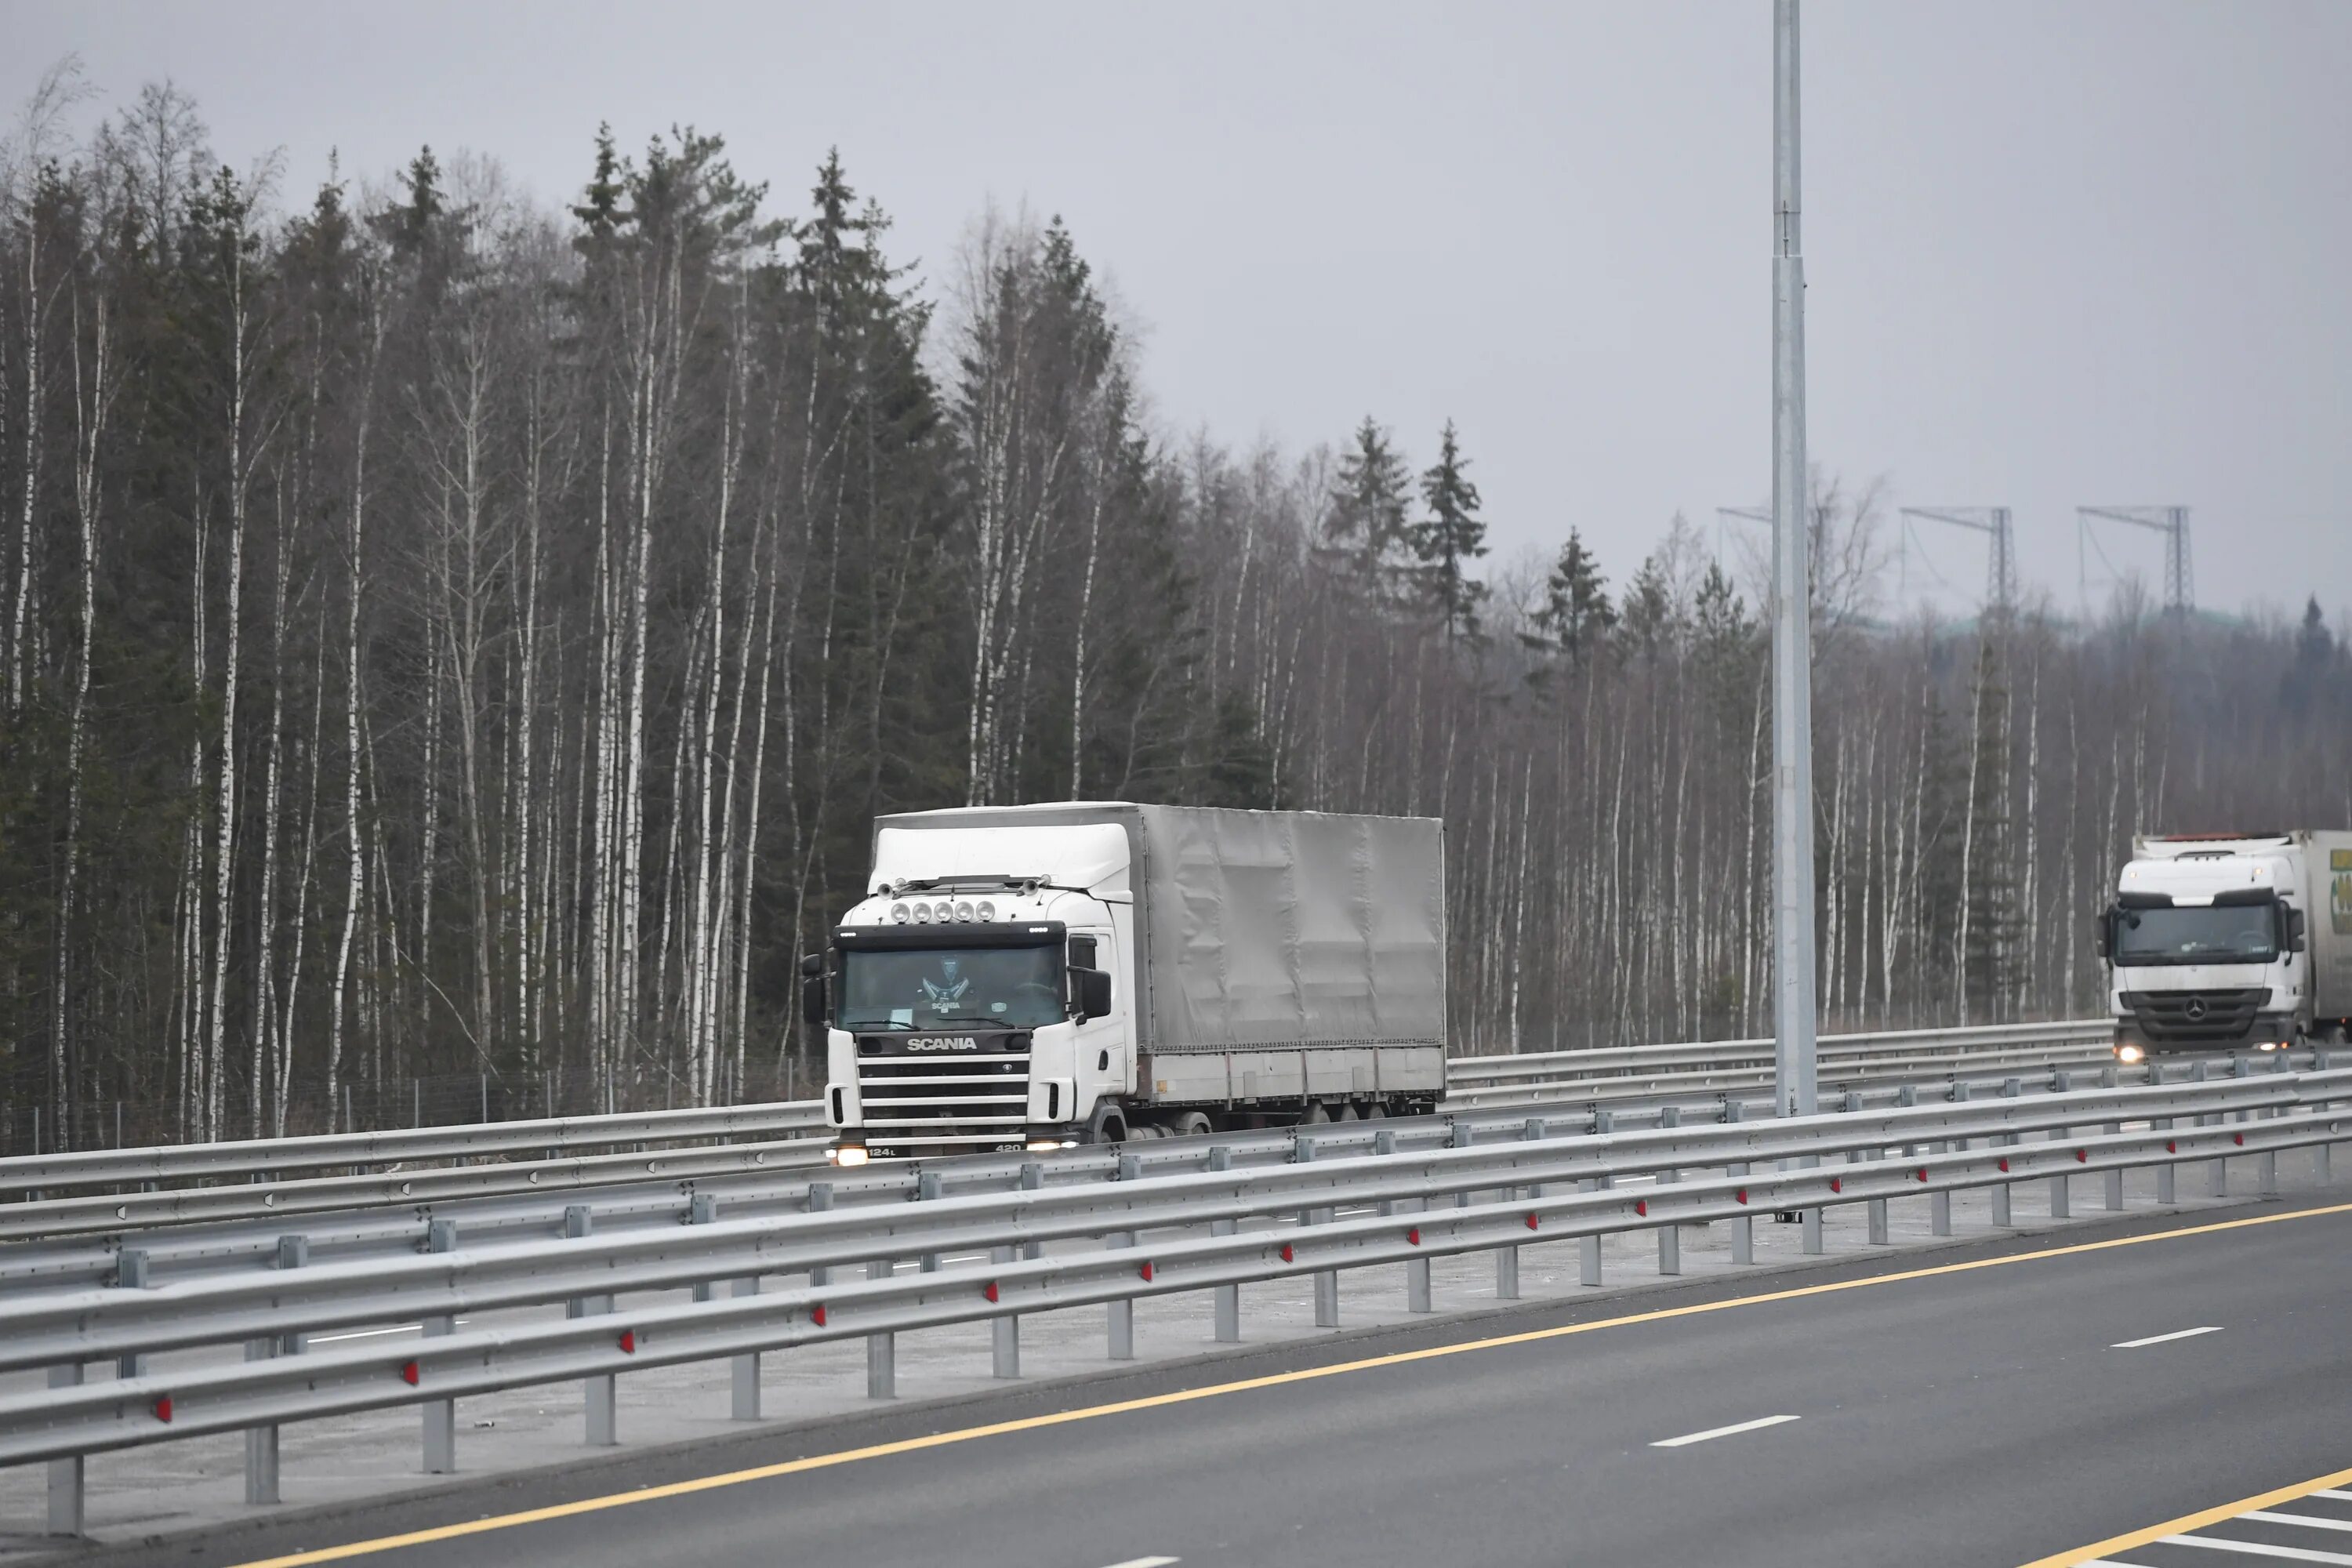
(1795, 1079)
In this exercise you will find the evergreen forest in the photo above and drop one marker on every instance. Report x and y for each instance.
(453, 648)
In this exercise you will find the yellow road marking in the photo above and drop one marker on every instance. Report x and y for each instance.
(1276, 1380)
(2189, 1521)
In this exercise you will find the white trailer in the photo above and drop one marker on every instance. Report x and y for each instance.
(2229, 940)
(1038, 976)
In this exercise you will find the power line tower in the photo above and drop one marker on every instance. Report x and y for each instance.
(2001, 563)
(2172, 521)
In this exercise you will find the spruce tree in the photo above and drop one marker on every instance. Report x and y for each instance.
(1576, 614)
(1648, 612)
(1365, 524)
(1450, 538)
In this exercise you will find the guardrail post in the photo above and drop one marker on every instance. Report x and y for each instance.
(1004, 1330)
(2164, 1171)
(131, 1268)
(1743, 1228)
(2062, 1194)
(1670, 1240)
(819, 1200)
(2221, 1179)
(1507, 1258)
(1939, 1206)
(927, 1187)
(882, 1349)
(2110, 1078)
(1122, 1312)
(2319, 1158)
(261, 1442)
(1326, 1280)
(2010, 1090)
(1589, 1248)
(440, 1415)
(67, 1494)
(743, 1371)
(1228, 1297)
(598, 1393)
(1033, 1179)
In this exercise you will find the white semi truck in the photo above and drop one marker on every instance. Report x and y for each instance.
(2231, 940)
(1040, 976)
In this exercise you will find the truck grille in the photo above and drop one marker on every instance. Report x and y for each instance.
(934, 1100)
(2193, 1017)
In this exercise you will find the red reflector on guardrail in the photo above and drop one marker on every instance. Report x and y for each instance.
(1741, 1195)
(163, 1408)
(1641, 1206)
(2237, 1138)
(2081, 1156)
(1145, 1272)
(1286, 1252)
(628, 1342)
(989, 1289)
(1837, 1184)
(1531, 1221)
(1921, 1173)
(1412, 1237)
(817, 1314)
(2002, 1162)
(2171, 1147)
(408, 1373)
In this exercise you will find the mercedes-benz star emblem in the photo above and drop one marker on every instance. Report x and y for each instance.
(2194, 1009)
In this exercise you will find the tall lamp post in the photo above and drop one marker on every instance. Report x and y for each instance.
(1796, 1082)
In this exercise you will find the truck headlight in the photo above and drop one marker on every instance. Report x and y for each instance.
(898, 913)
(983, 910)
(944, 912)
(922, 915)
(2127, 1054)
(964, 911)
(847, 1156)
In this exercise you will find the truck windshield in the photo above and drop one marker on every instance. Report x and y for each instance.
(951, 987)
(2218, 933)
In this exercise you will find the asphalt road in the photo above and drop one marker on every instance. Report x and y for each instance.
(1922, 1410)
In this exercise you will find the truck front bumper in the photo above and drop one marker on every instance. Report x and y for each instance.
(2164, 1026)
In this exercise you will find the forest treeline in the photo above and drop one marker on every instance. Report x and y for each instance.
(444, 637)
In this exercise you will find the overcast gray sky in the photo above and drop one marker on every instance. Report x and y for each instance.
(2058, 253)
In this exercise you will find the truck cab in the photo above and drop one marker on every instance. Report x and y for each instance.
(2207, 943)
(971, 1001)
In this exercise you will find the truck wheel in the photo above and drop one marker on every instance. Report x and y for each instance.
(1192, 1124)
(1107, 1125)
(1316, 1114)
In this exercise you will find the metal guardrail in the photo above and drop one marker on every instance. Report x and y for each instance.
(242, 1223)
(1301, 1218)
(250, 1174)
(247, 1158)
(1468, 1073)
(110, 1323)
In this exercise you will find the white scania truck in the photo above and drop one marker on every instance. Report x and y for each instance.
(2229, 940)
(1039, 976)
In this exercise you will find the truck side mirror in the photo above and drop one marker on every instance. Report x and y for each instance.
(1092, 988)
(2103, 929)
(2293, 930)
(812, 992)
